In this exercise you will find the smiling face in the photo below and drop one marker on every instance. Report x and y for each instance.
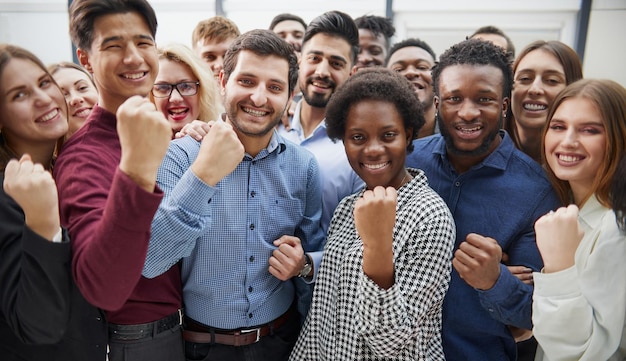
(575, 144)
(375, 141)
(539, 77)
(80, 94)
(471, 109)
(123, 58)
(256, 94)
(372, 49)
(324, 66)
(32, 106)
(178, 110)
(414, 63)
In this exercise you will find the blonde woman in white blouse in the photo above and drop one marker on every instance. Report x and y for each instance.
(579, 302)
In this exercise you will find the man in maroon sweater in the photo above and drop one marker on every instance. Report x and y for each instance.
(106, 176)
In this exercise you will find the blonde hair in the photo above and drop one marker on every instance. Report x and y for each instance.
(217, 27)
(208, 92)
(610, 99)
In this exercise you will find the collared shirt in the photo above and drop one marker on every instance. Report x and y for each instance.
(108, 217)
(579, 313)
(351, 317)
(224, 234)
(338, 178)
(501, 197)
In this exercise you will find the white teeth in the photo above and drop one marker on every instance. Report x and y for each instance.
(256, 113)
(469, 130)
(535, 107)
(569, 158)
(82, 113)
(320, 85)
(178, 111)
(375, 166)
(49, 116)
(134, 76)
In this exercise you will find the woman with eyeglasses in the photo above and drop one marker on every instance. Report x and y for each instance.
(184, 89)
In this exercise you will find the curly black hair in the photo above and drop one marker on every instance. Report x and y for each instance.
(377, 25)
(410, 42)
(475, 52)
(374, 84)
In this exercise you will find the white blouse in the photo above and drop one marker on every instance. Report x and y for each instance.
(579, 312)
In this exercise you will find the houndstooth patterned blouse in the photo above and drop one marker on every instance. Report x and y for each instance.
(351, 318)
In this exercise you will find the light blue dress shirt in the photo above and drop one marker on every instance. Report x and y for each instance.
(338, 178)
(224, 234)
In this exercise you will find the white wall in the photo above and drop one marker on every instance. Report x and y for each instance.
(42, 25)
(605, 52)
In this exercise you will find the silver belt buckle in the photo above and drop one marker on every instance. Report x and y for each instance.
(258, 333)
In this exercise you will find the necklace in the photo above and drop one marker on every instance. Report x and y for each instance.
(406, 176)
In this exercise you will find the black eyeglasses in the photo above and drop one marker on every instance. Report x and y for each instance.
(186, 88)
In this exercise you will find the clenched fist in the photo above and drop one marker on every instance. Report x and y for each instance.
(374, 218)
(220, 153)
(144, 137)
(33, 189)
(558, 236)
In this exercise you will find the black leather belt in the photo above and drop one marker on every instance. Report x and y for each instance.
(143, 330)
(199, 333)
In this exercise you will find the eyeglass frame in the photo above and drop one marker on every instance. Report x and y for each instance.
(175, 86)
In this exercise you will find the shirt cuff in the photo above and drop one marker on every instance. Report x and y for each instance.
(58, 237)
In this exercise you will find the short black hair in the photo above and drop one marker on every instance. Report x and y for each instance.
(475, 52)
(83, 15)
(490, 29)
(418, 43)
(374, 84)
(337, 24)
(263, 43)
(284, 17)
(377, 25)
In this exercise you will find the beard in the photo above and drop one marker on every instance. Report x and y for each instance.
(481, 150)
(317, 100)
(241, 127)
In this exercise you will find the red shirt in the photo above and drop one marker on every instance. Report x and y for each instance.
(108, 217)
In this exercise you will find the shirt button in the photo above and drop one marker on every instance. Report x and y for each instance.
(250, 289)
(249, 315)
(252, 227)
(251, 258)
(252, 194)
(458, 184)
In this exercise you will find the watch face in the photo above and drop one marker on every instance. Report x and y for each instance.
(306, 270)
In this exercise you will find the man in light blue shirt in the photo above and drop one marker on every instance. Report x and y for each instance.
(329, 50)
(240, 210)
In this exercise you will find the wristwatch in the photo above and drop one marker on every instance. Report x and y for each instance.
(308, 266)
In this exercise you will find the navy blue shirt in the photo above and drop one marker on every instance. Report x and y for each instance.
(501, 198)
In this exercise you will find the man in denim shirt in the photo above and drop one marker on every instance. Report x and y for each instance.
(495, 193)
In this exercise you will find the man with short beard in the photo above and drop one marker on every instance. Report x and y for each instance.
(241, 213)
(495, 193)
(329, 52)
